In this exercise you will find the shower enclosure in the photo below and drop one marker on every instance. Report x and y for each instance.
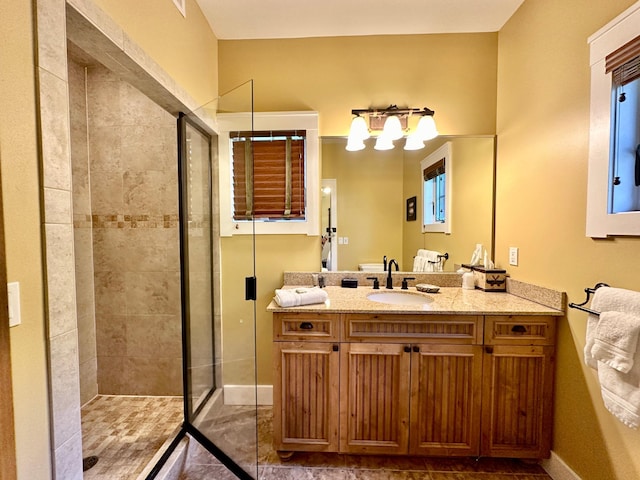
(218, 297)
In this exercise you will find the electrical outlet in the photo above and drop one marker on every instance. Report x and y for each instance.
(513, 256)
(346, 240)
(13, 291)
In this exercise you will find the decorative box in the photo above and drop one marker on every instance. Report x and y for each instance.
(490, 280)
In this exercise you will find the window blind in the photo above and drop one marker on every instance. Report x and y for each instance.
(268, 175)
(433, 170)
(624, 63)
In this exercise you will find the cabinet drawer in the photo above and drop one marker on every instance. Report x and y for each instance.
(520, 330)
(305, 326)
(449, 329)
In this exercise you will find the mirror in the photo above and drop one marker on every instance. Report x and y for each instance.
(374, 189)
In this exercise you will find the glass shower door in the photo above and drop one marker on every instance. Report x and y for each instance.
(218, 315)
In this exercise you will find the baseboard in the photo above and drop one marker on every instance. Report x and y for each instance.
(557, 469)
(248, 394)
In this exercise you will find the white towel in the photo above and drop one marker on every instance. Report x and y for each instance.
(616, 340)
(300, 296)
(620, 390)
(418, 263)
(432, 260)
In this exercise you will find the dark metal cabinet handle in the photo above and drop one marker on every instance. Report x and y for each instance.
(407, 348)
(416, 349)
(336, 348)
(518, 329)
(306, 326)
(489, 350)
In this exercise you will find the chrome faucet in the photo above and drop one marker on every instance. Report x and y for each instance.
(389, 279)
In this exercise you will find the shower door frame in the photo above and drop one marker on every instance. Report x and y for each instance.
(188, 426)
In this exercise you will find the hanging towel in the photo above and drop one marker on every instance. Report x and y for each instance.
(620, 390)
(296, 297)
(419, 263)
(616, 340)
(432, 260)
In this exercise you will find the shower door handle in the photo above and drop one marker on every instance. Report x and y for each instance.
(250, 288)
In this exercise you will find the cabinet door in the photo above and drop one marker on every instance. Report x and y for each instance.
(305, 391)
(445, 399)
(374, 385)
(518, 401)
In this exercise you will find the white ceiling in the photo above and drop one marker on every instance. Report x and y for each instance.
(251, 19)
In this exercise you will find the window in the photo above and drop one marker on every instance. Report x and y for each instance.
(268, 175)
(269, 203)
(436, 190)
(612, 195)
(624, 180)
(434, 193)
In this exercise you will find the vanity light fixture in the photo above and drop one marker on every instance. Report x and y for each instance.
(392, 123)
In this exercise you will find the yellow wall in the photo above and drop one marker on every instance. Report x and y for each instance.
(185, 47)
(543, 131)
(452, 74)
(21, 205)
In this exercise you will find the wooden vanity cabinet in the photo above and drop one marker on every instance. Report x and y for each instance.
(439, 385)
(517, 412)
(305, 389)
(410, 384)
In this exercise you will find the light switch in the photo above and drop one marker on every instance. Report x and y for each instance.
(13, 292)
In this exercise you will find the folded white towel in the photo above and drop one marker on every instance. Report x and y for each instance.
(620, 390)
(300, 296)
(608, 299)
(616, 339)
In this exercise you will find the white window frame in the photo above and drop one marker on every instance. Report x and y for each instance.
(600, 223)
(229, 122)
(443, 152)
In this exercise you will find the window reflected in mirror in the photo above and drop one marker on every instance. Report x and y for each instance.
(436, 190)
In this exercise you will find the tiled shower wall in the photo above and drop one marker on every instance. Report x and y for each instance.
(133, 222)
(82, 237)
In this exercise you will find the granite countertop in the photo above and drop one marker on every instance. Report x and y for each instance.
(449, 300)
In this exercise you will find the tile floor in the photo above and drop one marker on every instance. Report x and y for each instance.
(315, 466)
(126, 432)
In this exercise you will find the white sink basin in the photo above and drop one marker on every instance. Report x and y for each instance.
(399, 298)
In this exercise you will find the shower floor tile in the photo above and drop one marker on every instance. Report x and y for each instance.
(126, 432)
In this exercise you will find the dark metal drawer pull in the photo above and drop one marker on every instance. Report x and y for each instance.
(306, 326)
(518, 329)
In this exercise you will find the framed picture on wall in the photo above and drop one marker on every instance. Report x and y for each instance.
(411, 209)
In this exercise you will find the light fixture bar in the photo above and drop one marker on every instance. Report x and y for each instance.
(392, 110)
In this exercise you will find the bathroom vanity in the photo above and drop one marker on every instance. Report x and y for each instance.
(468, 373)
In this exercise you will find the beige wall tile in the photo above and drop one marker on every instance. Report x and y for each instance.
(57, 206)
(111, 335)
(55, 131)
(153, 336)
(60, 275)
(65, 387)
(52, 45)
(152, 292)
